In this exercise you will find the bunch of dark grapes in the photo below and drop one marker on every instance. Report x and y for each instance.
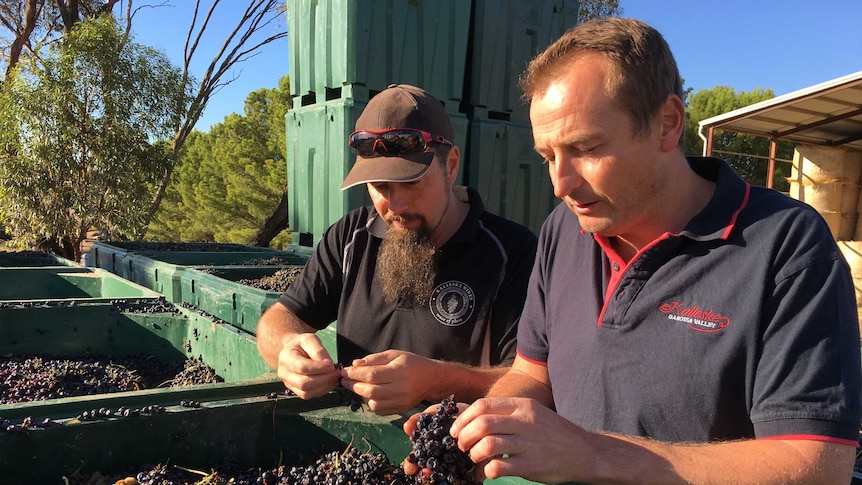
(435, 451)
(195, 371)
(349, 467)
(37, 378)
(25, 379)
(276, 282)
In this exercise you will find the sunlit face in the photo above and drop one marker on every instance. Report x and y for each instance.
(601, 169)
(414, 205)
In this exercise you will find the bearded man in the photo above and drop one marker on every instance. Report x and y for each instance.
(426, 286)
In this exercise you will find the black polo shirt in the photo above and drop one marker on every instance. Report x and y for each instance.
(743, 325)
(484, 270)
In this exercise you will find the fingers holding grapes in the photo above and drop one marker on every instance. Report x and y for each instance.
(387, 380)
(305, 367)
(514, 436)
(436, 456)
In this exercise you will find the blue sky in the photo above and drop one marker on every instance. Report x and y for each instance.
(785, 45)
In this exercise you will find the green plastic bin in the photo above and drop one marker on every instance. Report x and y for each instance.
(251, 431)
(28, 259)
(101, 329)
(237, 419)
(162, 271)
(159, 265)
(218, 292)
(64, 283)
(111, 255)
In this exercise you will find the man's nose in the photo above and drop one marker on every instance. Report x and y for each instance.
(565, 177)
(398, 202)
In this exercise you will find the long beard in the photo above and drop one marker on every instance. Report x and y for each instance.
(407, 265)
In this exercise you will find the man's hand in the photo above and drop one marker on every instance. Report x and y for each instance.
(305, 367)
(521, 437)
(392, 381)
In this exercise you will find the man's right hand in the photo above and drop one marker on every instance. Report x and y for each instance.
(306, 368)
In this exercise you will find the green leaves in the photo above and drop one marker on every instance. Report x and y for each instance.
(745, 153)
(228, 181)
(79, 135)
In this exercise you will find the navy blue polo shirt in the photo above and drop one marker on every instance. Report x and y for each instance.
(744, 325)
(481, 286)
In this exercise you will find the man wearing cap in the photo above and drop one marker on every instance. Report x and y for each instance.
(427, 287)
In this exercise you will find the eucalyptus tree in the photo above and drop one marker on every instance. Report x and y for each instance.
(77, 137)
(33, 32)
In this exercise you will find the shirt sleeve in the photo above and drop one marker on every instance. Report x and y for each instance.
(532, 332)
(315, 295)
(807, 380)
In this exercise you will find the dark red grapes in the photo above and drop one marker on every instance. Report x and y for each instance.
(436, 452)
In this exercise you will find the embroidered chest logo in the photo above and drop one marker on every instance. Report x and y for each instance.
(452, 303)
(695, 317)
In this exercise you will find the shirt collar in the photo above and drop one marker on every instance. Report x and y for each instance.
(717, 219)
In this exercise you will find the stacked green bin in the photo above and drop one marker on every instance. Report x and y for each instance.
(340, 43)
(512, 179)
(505, 37)
(342, 53)
(318, 160)
(501, 163)
(468, 54)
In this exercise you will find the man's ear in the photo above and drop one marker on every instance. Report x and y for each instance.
(453, 163)
(672, 114)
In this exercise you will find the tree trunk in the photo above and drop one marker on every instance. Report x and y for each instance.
(63, 247)
(274, 224)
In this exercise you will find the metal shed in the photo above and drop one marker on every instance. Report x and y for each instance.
(826, 114)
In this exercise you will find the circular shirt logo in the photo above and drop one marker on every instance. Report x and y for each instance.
(452, 303)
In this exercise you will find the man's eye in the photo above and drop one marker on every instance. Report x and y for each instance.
(547, 160)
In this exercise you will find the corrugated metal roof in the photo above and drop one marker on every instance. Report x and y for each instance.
(828, 114)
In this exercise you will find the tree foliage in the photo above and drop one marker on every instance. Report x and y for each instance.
(598, 9)
(241, 44)
(76, 137)
(29, 26)
(228, 180)
(31, 31)
(747, 154)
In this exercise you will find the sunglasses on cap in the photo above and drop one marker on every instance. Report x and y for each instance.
(401, 141)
